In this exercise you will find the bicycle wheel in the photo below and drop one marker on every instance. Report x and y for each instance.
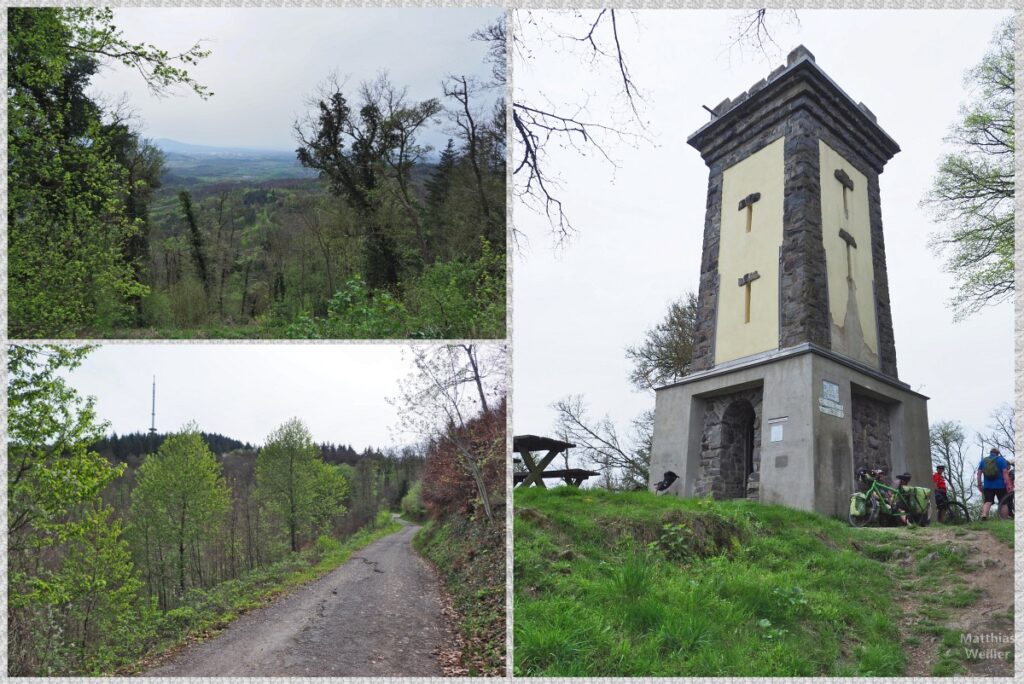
(860, 520)
(870, 513)
(956, 514)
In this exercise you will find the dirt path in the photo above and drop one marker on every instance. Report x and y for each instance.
(987, 574)
(377, 615)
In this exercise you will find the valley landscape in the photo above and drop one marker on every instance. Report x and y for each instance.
(368, 213)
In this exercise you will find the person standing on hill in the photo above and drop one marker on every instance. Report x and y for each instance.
(941, 492)
(994, 482)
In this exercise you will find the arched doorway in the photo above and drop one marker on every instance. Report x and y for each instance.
(730, 448)
(737, 455)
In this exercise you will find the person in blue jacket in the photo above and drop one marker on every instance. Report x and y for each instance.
(994, 482)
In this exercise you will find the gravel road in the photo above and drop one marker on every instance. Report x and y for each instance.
(377, 615)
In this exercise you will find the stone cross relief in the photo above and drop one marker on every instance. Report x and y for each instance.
(745, 283)
(748, 204)
(847, 184)
(851, 244)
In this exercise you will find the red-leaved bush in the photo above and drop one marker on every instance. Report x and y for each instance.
(448, 483)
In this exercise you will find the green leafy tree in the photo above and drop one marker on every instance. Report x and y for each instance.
(178, 503)
(69, 223)
(358, 148)
(143, 163)
(295, 484)
(71, 584)
(972, 194)
(330, 489)
(107, 620)
(667, 349)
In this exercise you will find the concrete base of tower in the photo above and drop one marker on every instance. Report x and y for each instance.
(788, 427)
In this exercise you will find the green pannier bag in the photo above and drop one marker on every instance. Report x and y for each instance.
(919, 497)
(859, 504)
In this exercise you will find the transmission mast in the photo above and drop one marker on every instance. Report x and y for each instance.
(152, 426)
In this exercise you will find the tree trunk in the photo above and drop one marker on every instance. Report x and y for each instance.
(245, 289)
(181, 552)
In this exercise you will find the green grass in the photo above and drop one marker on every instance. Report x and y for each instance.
(629, 584)
(204, 613)
(952, 655)
(470, 557)
(1000, 529)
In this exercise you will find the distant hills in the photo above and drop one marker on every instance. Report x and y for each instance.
(172, 147)
(176, 147)
(190, 165)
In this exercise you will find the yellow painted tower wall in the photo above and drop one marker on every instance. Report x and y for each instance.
(850, 283)
(741, 252)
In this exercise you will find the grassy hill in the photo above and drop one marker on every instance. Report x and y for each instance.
(629, 584)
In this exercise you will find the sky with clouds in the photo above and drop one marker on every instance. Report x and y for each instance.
(265, 63)
(639, 223)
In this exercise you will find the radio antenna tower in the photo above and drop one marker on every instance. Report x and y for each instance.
(152, 426)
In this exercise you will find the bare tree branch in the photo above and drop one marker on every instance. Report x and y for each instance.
(752, 31)
(624, 463)
(569, 126)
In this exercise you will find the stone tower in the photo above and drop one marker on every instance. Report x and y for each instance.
(793, 383)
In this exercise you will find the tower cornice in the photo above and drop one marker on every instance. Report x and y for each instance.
(801, 85)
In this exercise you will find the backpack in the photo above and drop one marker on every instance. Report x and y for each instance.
(990, 466)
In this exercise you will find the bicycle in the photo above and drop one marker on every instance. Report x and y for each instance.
(881, 503)
(955, 513)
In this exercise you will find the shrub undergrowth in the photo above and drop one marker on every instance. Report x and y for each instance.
(455, 299)
(470, 556)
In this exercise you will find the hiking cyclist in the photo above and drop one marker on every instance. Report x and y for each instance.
(995, 482)
(941, 492)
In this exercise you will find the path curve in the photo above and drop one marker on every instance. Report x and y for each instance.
(377, 615)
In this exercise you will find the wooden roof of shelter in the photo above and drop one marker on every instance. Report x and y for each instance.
(535, 443)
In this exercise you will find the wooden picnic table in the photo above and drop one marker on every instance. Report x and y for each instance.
(527, 445)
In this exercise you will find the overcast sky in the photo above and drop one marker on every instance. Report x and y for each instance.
(640, 228)
(265, 62)
(245, 391)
